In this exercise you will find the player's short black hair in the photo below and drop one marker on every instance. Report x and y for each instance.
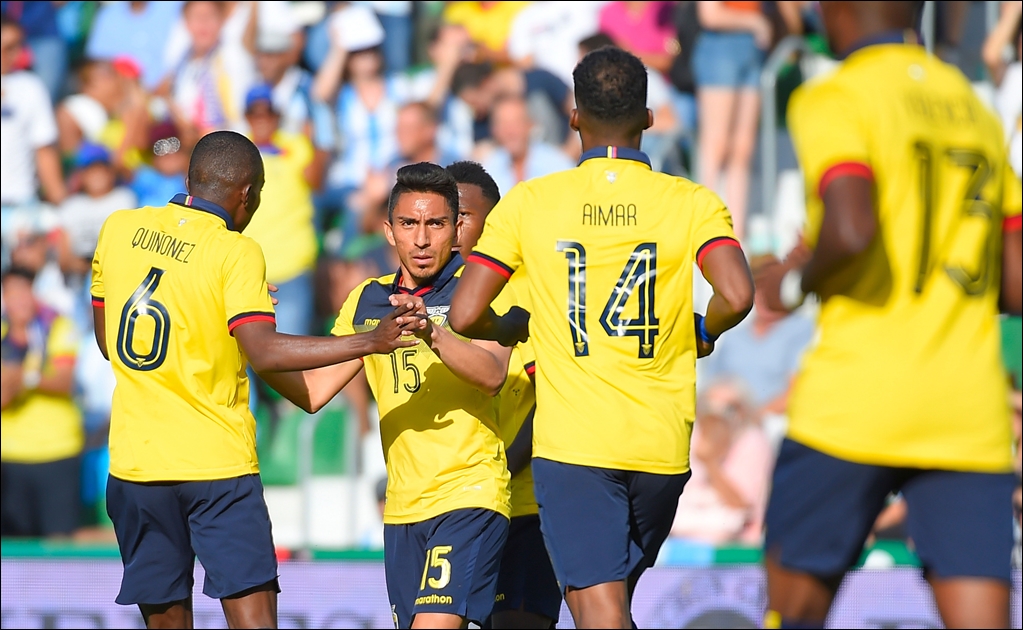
(469, 172)
(610, 87)
(595, 42)
(221, 162)
(424, 177)
(470, 75)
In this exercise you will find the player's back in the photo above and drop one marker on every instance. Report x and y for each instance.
(905, 370)
(174, 281)
(608, 251)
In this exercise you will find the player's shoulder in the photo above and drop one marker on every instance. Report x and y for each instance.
(377, 288)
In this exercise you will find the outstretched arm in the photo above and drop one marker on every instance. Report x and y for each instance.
(1011, 301)
(471, 314)
(310, 390)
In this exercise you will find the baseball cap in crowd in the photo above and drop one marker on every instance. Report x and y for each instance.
(90, 153)
(261, 93)
(356, 27)
(126, 67)
(274, 42)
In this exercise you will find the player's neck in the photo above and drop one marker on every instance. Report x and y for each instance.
(609, 140)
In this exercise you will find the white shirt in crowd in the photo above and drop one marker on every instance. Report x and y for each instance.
(550, 33)
(26, 125)
(1009, 103)
(82, 216)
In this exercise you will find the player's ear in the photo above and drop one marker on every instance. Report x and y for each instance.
(649, 119)
(389, 233)
(573, 120)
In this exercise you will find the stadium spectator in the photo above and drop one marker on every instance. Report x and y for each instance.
(82, 214)
(40, 428)
(396, 18)
(643, 28)
(28, 137)
(243, 24)
(764, 352)
(209, 83)
(729, 53)
(725, 499)
(1007, 71)
(38, 21)
(687, 29)
(546, 35)
(517, 157)
(277, 56)
(488, 25)
(155, 182)
(136, 30)
(284, 225)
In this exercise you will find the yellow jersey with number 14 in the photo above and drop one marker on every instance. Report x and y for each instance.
(608, 251)
(173, 282)
(906, 368)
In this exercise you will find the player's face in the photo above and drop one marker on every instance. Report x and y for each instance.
(423, 232)
(473, 209)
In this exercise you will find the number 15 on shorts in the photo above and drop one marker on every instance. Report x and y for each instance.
(435, 560)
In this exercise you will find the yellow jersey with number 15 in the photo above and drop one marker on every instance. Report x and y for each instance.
(906, 368)
(608, 250)
(173, 282)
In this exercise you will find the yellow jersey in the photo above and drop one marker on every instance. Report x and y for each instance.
(608, 250)
(515, 401)
(174, 282)
(38, 427)
(905, 369)
(439, 434)
(283, 227)
(489, 26)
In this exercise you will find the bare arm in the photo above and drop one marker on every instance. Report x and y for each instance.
(726, 270)
(99, 328)
(999, 38)
(471, 314)
(520, 451)
(50, 175)
(312, 389)
(848, 229)
(1011, 301)
(69, 135)
(59, 380)
(328, 78)
(270, 351)
(251, 28)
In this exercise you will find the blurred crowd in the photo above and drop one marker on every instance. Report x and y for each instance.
(102, 102)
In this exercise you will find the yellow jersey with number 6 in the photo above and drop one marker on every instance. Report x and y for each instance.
(173, 282)
(608, 250)
(906, 370)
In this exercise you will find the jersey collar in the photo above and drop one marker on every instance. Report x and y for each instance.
(197, 203)
(441, 279)
(621, 153)
(900, 36)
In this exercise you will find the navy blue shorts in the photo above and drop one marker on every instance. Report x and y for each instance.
(822, 509)
(161, 527)
(527, 581)
(446, 564)
(603, 525)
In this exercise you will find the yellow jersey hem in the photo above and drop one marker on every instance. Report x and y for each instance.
(871, 458)
(45, 458)
(578, 459)
(530, 510)
(425, 515)
(184, 475)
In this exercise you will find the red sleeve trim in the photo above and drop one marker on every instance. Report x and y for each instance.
(98, 301)
(1013, 224)
(531, 368)
(713, 244)
(844, 169)
(245, 318)
(492, 263)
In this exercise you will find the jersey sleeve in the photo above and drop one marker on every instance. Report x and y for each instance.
(1012, 201)
(500, 247)
(246, 296)
(62, 343)
(97, 291)
(345, 323)
(830, 142)
(712, 224)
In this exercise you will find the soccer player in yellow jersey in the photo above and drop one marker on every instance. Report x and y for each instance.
(608, 251)
(181, 305)
(446, 514)
(912, 242)
(527, 590)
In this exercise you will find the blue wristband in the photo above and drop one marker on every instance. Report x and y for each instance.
(701, 330)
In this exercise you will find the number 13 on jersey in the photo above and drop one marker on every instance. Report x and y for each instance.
(638, 277)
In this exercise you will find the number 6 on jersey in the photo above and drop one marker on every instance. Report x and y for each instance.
(139, 304)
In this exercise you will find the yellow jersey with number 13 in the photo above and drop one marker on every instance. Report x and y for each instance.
(173, 282)
(608, 250)
(906, 369)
